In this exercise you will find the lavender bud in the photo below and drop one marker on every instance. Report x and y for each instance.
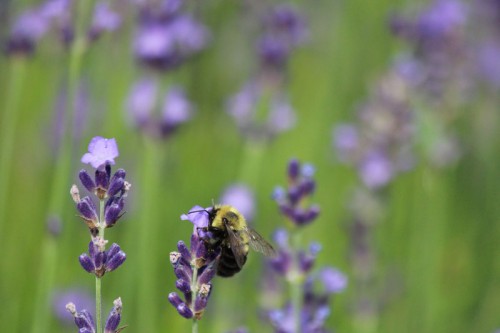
(115, 186)
(87, 181)
(99, 260)
(183, 286)
(112, 214)
(102, 179)
(183, 272)
(174, 299)
(113, 250)
(87, 210)
(185, 311)
(307, 187)
(206, 276)
(84, 320)
(87, 263)
(184, 251)
(114, 317)
(200, 304)
(293, 169)
(201, 251)
(306, 262)
(312, 213)
(116, 261)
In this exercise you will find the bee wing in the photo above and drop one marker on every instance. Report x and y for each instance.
(237, 246)
(259, 244)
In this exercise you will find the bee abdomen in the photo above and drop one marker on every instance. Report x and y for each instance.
(227, 265)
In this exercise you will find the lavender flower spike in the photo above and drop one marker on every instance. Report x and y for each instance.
(98, 261)
(194, 269)
(101, 152)
(301, 186)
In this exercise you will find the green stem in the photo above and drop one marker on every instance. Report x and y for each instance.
(98, 304)
(296, 285)
(194, 329)
(98, 294)
(194, 292)
(10, 118)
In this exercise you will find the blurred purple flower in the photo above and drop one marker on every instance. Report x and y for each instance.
(29, 27)
(333, 280)
(441, 19)
(164, 43)
(102, 151)
(143, 101)
(488, 56)
(105, 19)
(345, 141)
(177, 109)
(62, 297)
(241, 197)
(375, 169)
(244, 107)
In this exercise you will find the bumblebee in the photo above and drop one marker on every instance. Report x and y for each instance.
(231, 232)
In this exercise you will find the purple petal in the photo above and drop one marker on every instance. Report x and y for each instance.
(198, 216)
(101, 150)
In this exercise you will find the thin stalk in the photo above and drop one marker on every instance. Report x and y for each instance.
(194, 291)
(98, 304)
(296, 285)
(98, 294)
(194, 329)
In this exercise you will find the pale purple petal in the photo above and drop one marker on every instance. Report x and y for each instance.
(177, 108)
(101, 151)
(333, 280)
(198, 216)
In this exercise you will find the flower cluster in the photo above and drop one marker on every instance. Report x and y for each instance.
(438, 36)
(174, 108)
(307, 309)
(99, 261)
(284, 29)
(194, 268)
(85, 322)
(261, 108)
(33, 24)
(110, 191)
(113, 189)
(316, 308)
(292, 201)
(167, 36)
(380, 144)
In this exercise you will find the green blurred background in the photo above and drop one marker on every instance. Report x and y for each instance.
(437, 243)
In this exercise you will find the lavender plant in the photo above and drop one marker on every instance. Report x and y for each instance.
(194, 267)
(307, 308)
(111, 192)
(261, 108)
(166, 37)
